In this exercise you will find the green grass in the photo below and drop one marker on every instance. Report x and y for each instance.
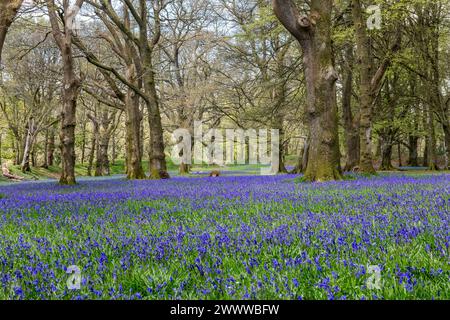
(36, 173)
(118, 168)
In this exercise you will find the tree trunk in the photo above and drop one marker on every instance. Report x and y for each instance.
(19, 152)
(33, 155)
(25, 164)
(352, 141)
(92, 151)
(425, 161)
(306, 154)
(22, 147)
(366, 92)
(446, 129)
(113, 150)
(45, 164)
(133, 133)
(399, 151)
(51, 148)
(157, 165)
(68, 122)
(302, 161)
(16, 152)
(70, 90)
(279, 98)
(351, 125)
(105, 130)
(281, 158)
(102, 163)
(413, 138)
(142, 137)
(83, 140)
(430, 51)
(412, 147)
(184, 168)
(386, 156)
(298, 166)
(314, 36)
(278, 124)
(432, 156)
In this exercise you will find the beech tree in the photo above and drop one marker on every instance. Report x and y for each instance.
(370, 83)
(71, 85)
(109, 90)
(147, 20)
(313, 32)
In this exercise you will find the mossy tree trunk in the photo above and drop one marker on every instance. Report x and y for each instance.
(71, 88)
(446, 129)
(278, 124)
(351, 123)
(314, 35)
(386, 157)
(94, 143)
(431, 150)
(366, 92)
(107, 126)
(134, 142)
(389, 133)
(413, 154)
(370, 83)
(51, 147)
(157, 165)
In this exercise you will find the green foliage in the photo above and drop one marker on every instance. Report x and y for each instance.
(342, 35)
(264, 25)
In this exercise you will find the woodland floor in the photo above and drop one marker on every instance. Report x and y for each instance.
(232, 237)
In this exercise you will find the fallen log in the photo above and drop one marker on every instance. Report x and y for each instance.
(7, 174)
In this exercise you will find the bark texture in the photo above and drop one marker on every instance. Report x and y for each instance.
(351, 123)
(370, 83)
(134, 143)
(314, 35)
(71, 89)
